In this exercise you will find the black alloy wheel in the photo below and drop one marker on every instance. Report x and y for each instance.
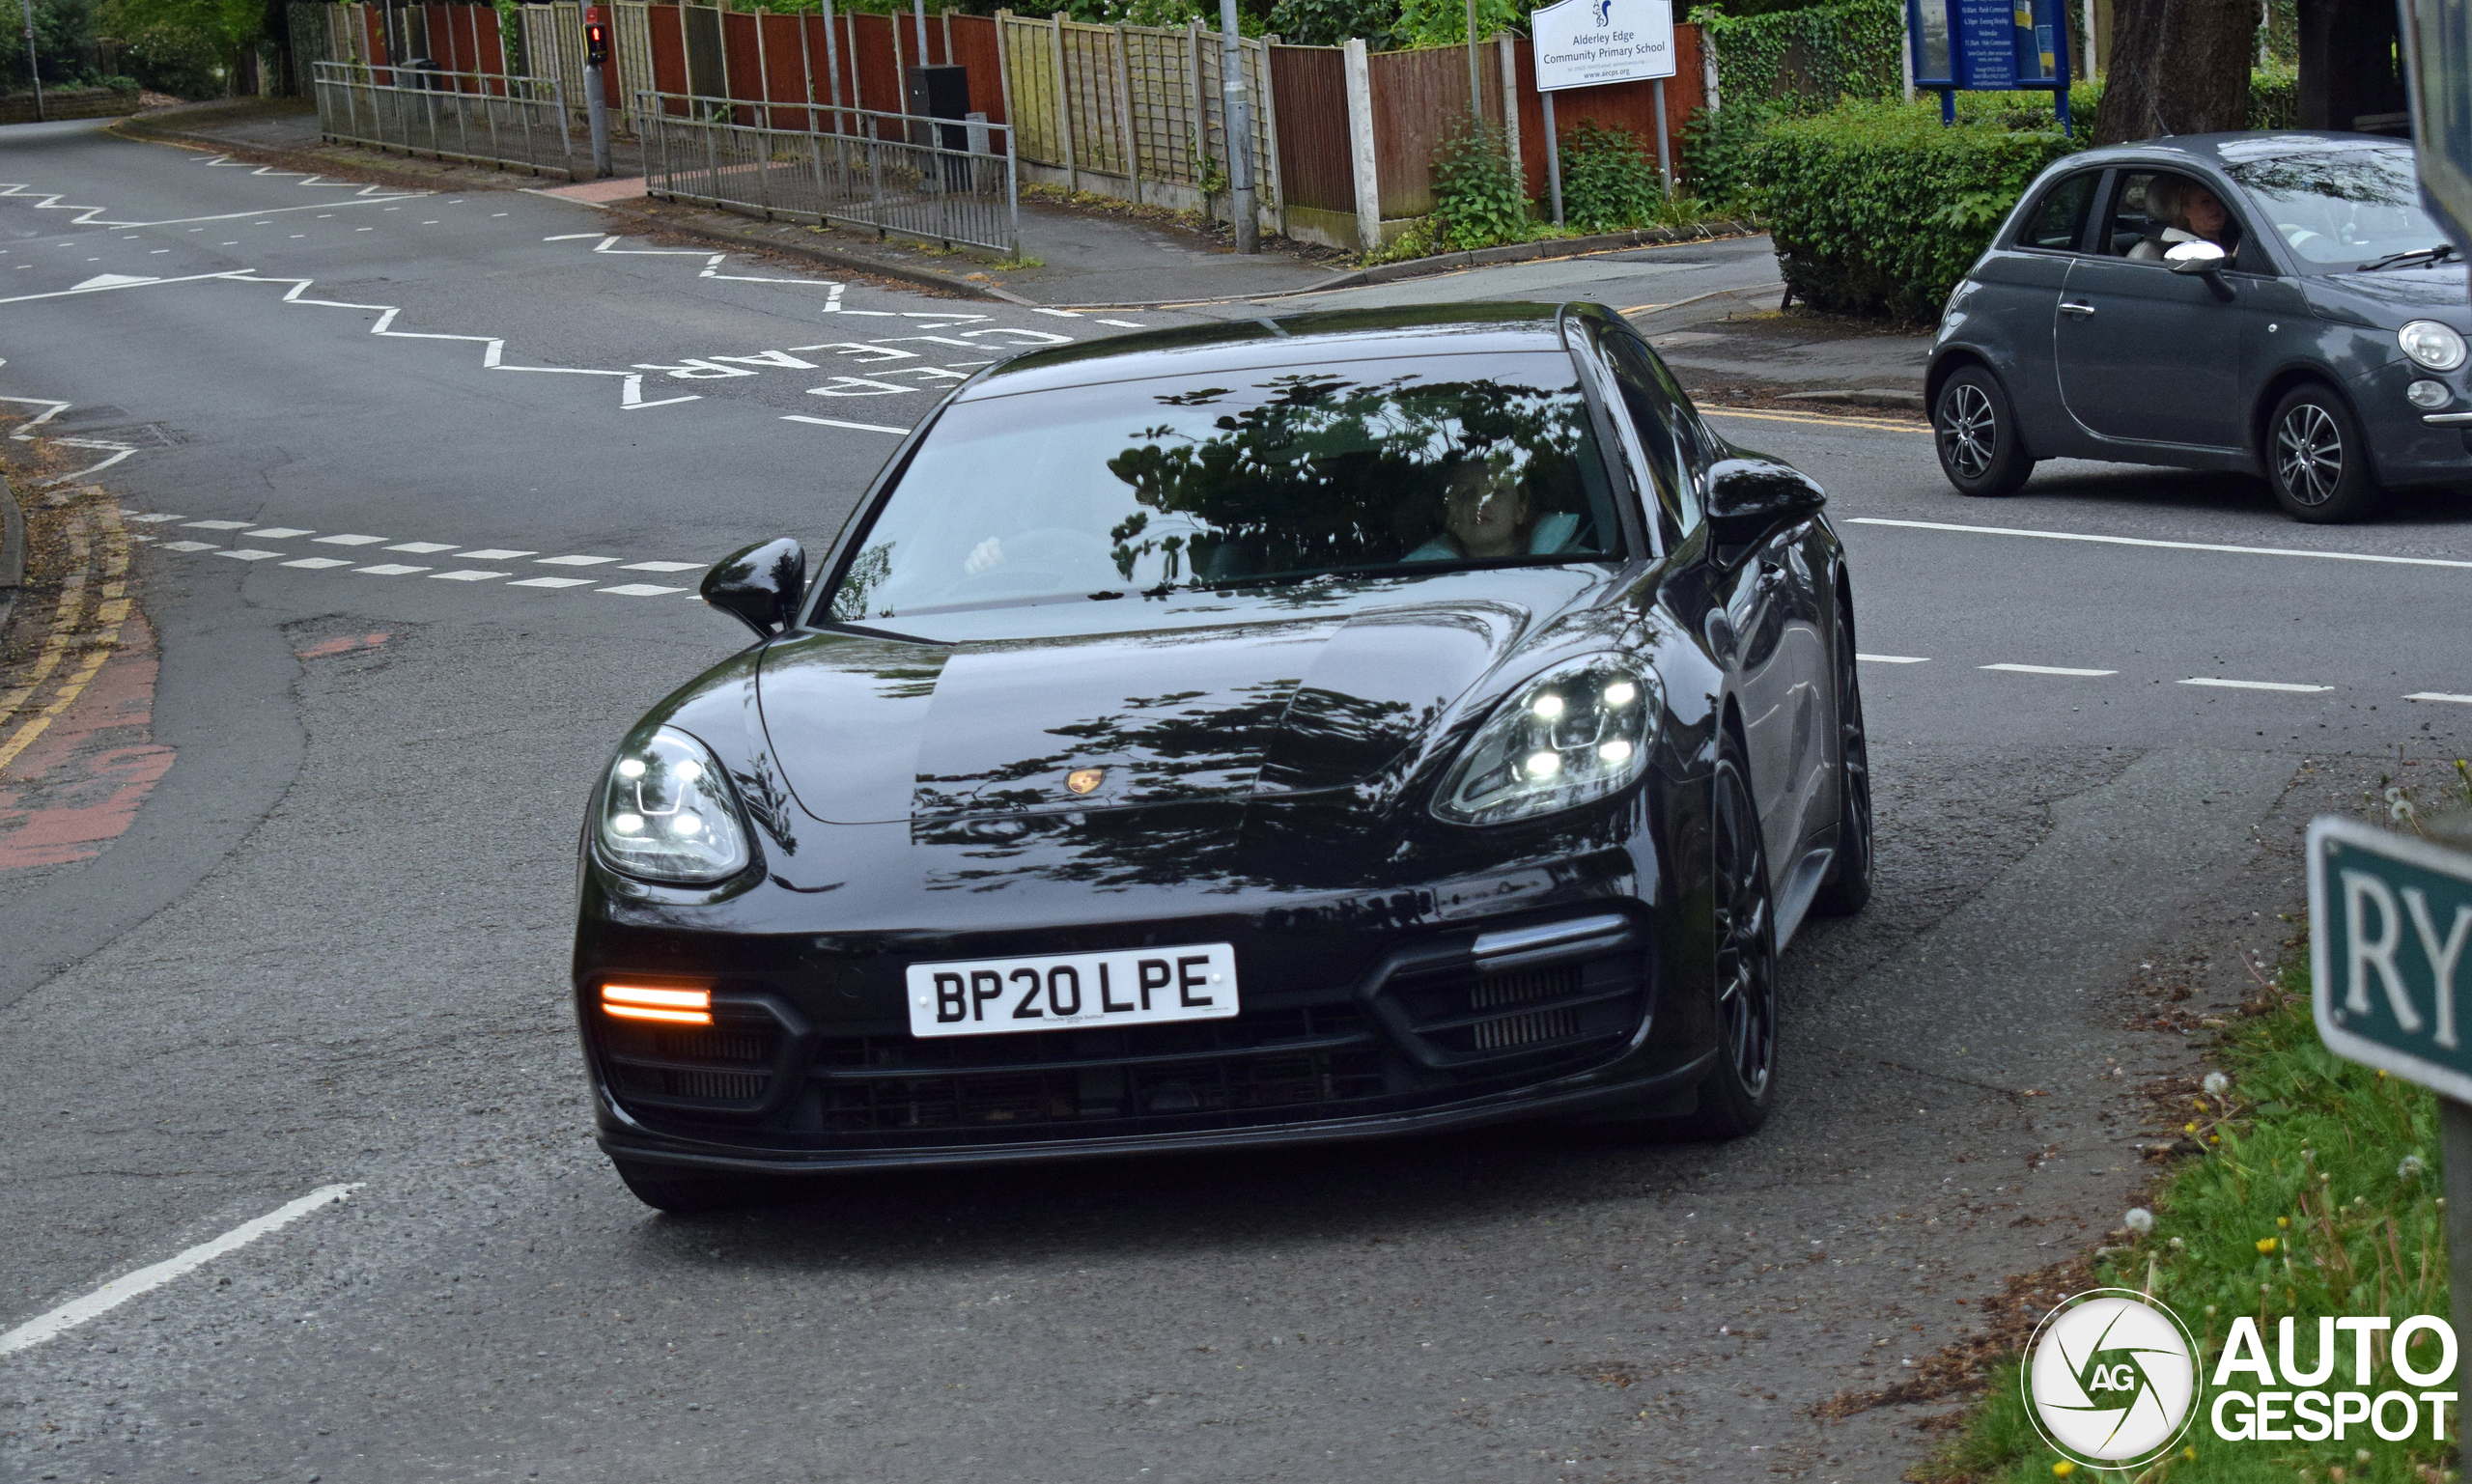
(692, 1192)
(1849, 879)
(1735, 1099)
(2317, 459)
(1976, 433)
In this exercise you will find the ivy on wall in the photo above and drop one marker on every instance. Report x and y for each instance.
(1804, 61)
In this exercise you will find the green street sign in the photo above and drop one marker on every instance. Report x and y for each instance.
(2390, 926)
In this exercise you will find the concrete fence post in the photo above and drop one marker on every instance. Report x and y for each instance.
(1507, 47)
(1368, 190)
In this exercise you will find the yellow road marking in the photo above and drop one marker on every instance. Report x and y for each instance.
(64, 623)
(112, 612)
(1880, 424)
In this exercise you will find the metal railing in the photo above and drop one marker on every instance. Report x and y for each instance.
(943, 180)
(485, 118)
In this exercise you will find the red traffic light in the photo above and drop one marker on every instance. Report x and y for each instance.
(595, 40)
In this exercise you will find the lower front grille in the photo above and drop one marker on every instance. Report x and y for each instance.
(721, 1068)
(1303, 1063)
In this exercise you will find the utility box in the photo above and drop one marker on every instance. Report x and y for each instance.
(939, 92)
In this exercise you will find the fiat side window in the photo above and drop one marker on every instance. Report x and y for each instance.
(2058, 222)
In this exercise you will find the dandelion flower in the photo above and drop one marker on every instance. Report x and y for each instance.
(2191, 1454)
(2410, 1169)
(2209, 1311)
(2177, 1245)
(2364, 1457)
(2217, 1084)
(2063, 1469)
(2214, 1138)
(2265, 1246)
(2283, 1224)
(2139, 1220)
(2188, 1127)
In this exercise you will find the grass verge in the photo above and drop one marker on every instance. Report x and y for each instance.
(2310, 1187)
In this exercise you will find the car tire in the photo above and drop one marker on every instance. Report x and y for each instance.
(691, 1192)
(1975, 430)
(2317, 459)
(1849, 879)
(1735, 1099)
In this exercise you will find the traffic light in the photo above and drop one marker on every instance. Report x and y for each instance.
(596, 37)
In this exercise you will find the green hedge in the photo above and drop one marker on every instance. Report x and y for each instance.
(1805, 59)
(1879, 208)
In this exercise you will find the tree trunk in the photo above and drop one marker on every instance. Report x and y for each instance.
(2178, 67)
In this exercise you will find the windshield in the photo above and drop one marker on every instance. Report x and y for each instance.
(2342, 208)
(1097, 491)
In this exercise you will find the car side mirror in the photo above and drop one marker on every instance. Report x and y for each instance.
(1749, 496)
(760, 585)
(2198, 257)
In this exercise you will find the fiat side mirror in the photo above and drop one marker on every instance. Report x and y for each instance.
(2200, 257)
(1749, 496)
(760, 585)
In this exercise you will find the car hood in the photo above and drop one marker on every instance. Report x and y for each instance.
(1182, 701)
(2390, 296)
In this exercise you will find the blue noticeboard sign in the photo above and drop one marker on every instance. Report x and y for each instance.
(1989, 46)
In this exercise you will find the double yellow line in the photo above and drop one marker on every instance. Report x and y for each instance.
(100, 518)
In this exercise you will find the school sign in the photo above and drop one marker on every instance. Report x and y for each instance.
(1582, 43)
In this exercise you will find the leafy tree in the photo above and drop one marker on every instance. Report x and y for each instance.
(1445, 23)
(1330, 22)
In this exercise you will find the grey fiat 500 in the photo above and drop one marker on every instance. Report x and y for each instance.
(2277, 304)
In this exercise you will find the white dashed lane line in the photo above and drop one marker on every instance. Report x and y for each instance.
(2211, 681)
(2257, 684)
(635, 588)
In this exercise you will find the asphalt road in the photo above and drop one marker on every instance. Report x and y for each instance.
(417, 487)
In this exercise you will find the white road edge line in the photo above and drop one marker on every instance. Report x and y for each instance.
(2168, 546)
(2439, 695)
(835, 422)
(2257, 684)
(119, 1291)
(1896, 658)
(2045, 669)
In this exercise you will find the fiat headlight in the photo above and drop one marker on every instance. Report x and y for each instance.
(2431, 344)
(667, 814)
(1578, 732)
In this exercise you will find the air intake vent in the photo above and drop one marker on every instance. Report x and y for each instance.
(1528, 1029)
(726, 1068)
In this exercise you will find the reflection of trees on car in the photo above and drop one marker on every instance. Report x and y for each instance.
(1327, 473)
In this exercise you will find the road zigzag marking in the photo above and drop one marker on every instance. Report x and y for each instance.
(51, 201)
(631, 395)
(26, 433)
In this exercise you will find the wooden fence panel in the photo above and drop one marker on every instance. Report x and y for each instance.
(1419, 100)
(974, 46)
(1315, 162)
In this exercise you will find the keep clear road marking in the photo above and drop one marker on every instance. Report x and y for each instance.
(2045, 669)
(2258, 685)
(119, 1291)
(835, 422)
(2168, 546)
(1896, 658)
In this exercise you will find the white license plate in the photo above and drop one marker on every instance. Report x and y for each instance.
(1069, 990)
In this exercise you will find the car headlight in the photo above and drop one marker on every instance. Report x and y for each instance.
(1578, 732)
(2431, 344)
(667, 814)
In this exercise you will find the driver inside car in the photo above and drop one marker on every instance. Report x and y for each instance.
(2190, 213)
(1486, 512)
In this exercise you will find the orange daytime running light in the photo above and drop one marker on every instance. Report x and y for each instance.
(636, 1002)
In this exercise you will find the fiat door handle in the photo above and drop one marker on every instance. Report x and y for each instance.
(2081, 310)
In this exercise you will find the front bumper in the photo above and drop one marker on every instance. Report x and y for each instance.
(1444, 1025)
(2410, 446)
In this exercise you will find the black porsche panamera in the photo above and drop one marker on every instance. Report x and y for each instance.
(1299, 729)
